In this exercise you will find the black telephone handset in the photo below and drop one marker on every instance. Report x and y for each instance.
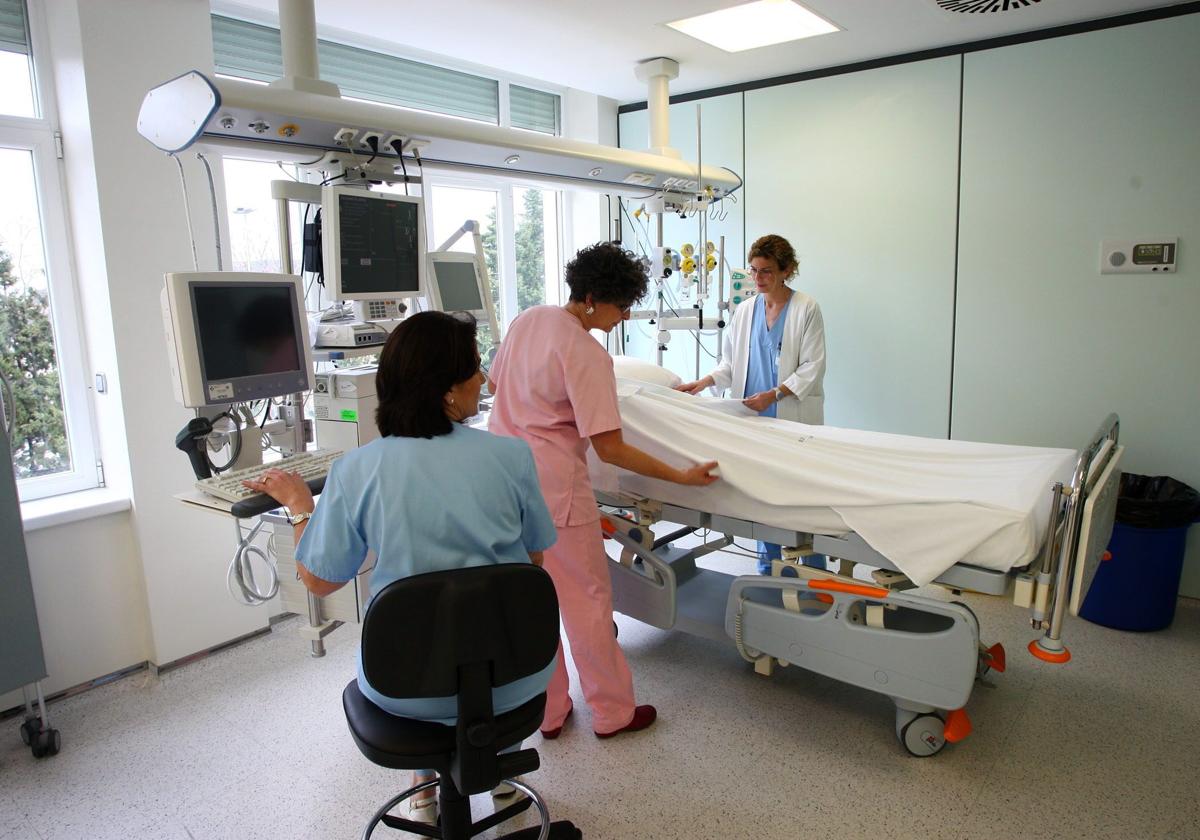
(191, 440)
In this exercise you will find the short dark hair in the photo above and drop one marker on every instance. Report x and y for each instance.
(607, 272)
(423, 358)
(775, 247)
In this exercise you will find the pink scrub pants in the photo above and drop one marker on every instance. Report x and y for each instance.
(579, 567)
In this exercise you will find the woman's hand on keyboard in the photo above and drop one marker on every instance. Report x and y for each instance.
(287, 488)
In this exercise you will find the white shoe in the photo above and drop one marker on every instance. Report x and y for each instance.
(422, 810)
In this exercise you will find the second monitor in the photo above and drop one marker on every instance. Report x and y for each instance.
(456, 286)
(373, 244)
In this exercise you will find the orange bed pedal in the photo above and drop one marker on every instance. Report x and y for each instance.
(1053, 657)
(996, 657)
(958, 726)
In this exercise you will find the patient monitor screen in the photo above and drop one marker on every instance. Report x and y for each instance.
(458, 286)
(379, 249)
(246, 330)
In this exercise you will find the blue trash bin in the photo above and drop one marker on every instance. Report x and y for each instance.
(1137, 586)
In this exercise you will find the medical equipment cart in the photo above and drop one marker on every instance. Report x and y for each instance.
(22, 661)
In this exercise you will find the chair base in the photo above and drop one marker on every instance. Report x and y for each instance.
(456, 817)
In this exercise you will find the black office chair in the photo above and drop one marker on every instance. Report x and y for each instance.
(458, 632)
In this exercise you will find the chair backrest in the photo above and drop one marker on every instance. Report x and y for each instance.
(420, 631)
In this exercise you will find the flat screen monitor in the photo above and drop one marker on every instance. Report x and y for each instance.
(236, 336)
(372, 244)
(455, 284)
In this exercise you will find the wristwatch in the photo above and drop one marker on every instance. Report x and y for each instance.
(296, 518)
(779, 394)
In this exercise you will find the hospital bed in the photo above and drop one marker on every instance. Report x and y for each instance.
(924, 653)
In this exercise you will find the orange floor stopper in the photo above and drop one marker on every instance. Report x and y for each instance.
(996, 657)
(958, 726)
(1047, 656)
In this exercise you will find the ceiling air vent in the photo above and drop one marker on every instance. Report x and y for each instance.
(975, 7)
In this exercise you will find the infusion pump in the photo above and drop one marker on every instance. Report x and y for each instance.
(741, 287)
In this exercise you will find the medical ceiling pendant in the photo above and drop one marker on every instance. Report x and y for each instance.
(304, 115)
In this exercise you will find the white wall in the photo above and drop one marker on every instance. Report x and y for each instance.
(128, 223)
(1065, 143)
(858, 172)
(593, 119)
(91, 601)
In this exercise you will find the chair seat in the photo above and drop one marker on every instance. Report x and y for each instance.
(407, 744)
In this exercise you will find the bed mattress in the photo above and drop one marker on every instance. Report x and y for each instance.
(926, 504)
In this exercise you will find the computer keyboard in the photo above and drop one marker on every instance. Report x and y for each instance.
(311, 465)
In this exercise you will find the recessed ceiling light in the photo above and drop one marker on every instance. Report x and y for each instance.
(512, 159)
(751, 25)
(595, 173)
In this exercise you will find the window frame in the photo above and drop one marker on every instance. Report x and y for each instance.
(506, 228)
(40, 137)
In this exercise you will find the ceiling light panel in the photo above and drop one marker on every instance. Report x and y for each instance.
(751, 25)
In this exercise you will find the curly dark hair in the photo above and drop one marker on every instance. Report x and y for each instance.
(775, 247)
(423, 358)
(608, 273)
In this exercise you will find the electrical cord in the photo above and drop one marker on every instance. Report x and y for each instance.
(212, 194)
(235, 444)
(187, 212)
(239, 578)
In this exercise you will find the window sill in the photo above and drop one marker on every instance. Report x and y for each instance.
(72, 507)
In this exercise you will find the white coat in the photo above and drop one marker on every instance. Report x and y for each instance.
(801, 359)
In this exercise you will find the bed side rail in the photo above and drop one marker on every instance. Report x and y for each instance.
(1060, 564)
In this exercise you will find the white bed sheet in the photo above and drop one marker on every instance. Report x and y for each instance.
(923, 503)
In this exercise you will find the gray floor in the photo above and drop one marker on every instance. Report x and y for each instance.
(251, 743)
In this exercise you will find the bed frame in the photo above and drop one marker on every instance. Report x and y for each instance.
(923, 653)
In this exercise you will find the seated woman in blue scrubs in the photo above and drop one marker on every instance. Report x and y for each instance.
(430, 494)
(774, 353)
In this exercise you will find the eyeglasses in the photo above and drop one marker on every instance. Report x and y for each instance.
(762, 272)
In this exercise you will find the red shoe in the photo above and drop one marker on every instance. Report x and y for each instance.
(551, 734)
(643, 716)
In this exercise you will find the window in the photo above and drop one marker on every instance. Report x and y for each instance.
(521, 237)
(16, 72)
(252, 51)
(253, 228)
(47, 405)
(449, 207)
(539, 266)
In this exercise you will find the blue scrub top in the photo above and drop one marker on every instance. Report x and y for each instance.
(762, 366)
(468, 498)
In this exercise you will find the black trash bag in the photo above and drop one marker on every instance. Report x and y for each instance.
(1157, 501)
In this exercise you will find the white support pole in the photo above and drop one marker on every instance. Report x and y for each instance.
(298, 36)
(657, 74)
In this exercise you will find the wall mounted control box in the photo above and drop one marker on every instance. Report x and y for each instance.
(1138, 256)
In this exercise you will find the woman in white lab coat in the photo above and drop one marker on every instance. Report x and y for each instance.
(774, 351)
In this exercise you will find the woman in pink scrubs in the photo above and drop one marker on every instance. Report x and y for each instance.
(555, 389)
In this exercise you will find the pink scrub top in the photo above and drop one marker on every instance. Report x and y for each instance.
(555, 388)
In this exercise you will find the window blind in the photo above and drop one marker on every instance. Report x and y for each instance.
(253, 51)
(14, 30)
(535, 110)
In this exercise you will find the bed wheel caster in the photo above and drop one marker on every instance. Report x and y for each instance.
(46, 743)
(922, 735)
(29, 729)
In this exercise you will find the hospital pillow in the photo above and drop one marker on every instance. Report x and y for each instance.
(627, 367)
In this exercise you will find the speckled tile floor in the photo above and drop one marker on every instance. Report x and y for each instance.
(251, 743)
